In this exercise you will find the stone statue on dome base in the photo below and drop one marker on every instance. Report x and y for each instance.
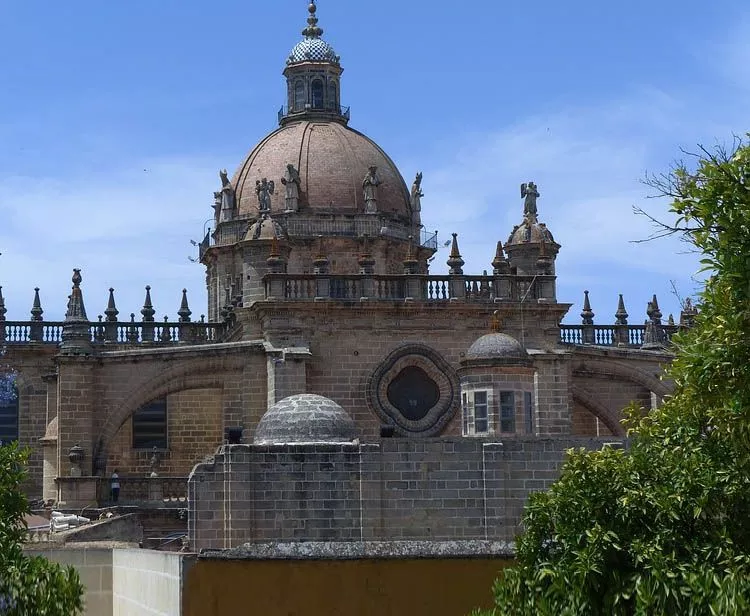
(416, 200)
(226, 197)
(370, 187)
(264, 189)
(291, 182)
(530, 194)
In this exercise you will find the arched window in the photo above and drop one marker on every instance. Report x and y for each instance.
(299, 95)
(317, 94)
(332, 98)
(8, 410)
(150, 425)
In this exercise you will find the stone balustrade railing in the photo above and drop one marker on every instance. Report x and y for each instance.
(158, 491)
(417, 287)
(633, 336)
(109, 332)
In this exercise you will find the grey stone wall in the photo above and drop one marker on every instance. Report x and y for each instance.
(396, 489)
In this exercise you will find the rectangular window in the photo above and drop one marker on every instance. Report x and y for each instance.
(150, 426)
(528, 409)
(9, 421)
(507, 412)
(480, 412)
(465, 413)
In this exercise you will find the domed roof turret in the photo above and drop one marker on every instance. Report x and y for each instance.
(496, 346)
(266, 228)
(312, 48)
(305, 418)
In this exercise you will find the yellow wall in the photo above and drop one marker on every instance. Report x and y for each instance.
(447, 587)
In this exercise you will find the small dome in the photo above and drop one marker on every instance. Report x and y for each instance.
(305, 418)
(497, 346)
(312, 50)
(530, 233)
(265, 229)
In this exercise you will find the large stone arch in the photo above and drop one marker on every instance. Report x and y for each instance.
(609, 368)
(607, 416)
(208, 373)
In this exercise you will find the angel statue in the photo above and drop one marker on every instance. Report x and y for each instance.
(530, 194)
(291, 181)
(264, 189)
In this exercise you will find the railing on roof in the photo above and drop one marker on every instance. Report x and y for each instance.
(110, 332)
(337, 110)
(633, 336)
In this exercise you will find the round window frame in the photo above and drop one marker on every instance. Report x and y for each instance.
(437, 368)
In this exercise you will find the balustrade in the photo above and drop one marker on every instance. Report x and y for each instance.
(105, 332)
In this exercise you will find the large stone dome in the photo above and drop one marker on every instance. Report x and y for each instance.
(332, 160)
(305, 418)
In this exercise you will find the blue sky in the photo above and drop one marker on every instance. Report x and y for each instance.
(115, 118)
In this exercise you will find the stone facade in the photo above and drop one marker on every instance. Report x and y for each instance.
(325, 287)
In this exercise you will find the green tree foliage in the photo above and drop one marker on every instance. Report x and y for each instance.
(664, 527)
(28, 585)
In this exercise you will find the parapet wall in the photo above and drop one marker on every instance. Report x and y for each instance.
(432, 489)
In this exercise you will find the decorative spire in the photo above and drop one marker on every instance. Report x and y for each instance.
(411, 264)
(500, 262)
(587, 314)
(455, 262)
(148, 311)
(312, 30)
(36, 308)
(621, 316)
(653, 311)
(184, 312)
(3, 310)
(111, 310)
(76, 331)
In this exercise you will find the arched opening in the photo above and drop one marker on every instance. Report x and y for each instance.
(317, 94)
(299, 95)
(332, 95)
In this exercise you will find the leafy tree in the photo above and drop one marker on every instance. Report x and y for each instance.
(663, 527)
(28, 585)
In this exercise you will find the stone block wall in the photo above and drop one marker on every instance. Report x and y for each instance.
(437, 489)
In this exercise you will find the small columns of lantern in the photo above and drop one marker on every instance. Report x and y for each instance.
(76, 331)
(589, 336)
(622, 331)
(3, 310)
(411, 268)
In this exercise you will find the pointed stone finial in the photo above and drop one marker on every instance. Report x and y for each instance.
(688, 313)
(587, 314)
(670, 320)
(320, 263)
(655, 315)
(111, 312)
(36, 308)
(148, 311)
(76, 331)
(411, 265)
(500, 262)
(3, 310)
(184, 312)
(455, 262)
(621, 316)
(312, 30)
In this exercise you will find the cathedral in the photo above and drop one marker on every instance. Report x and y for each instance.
(326, 323)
